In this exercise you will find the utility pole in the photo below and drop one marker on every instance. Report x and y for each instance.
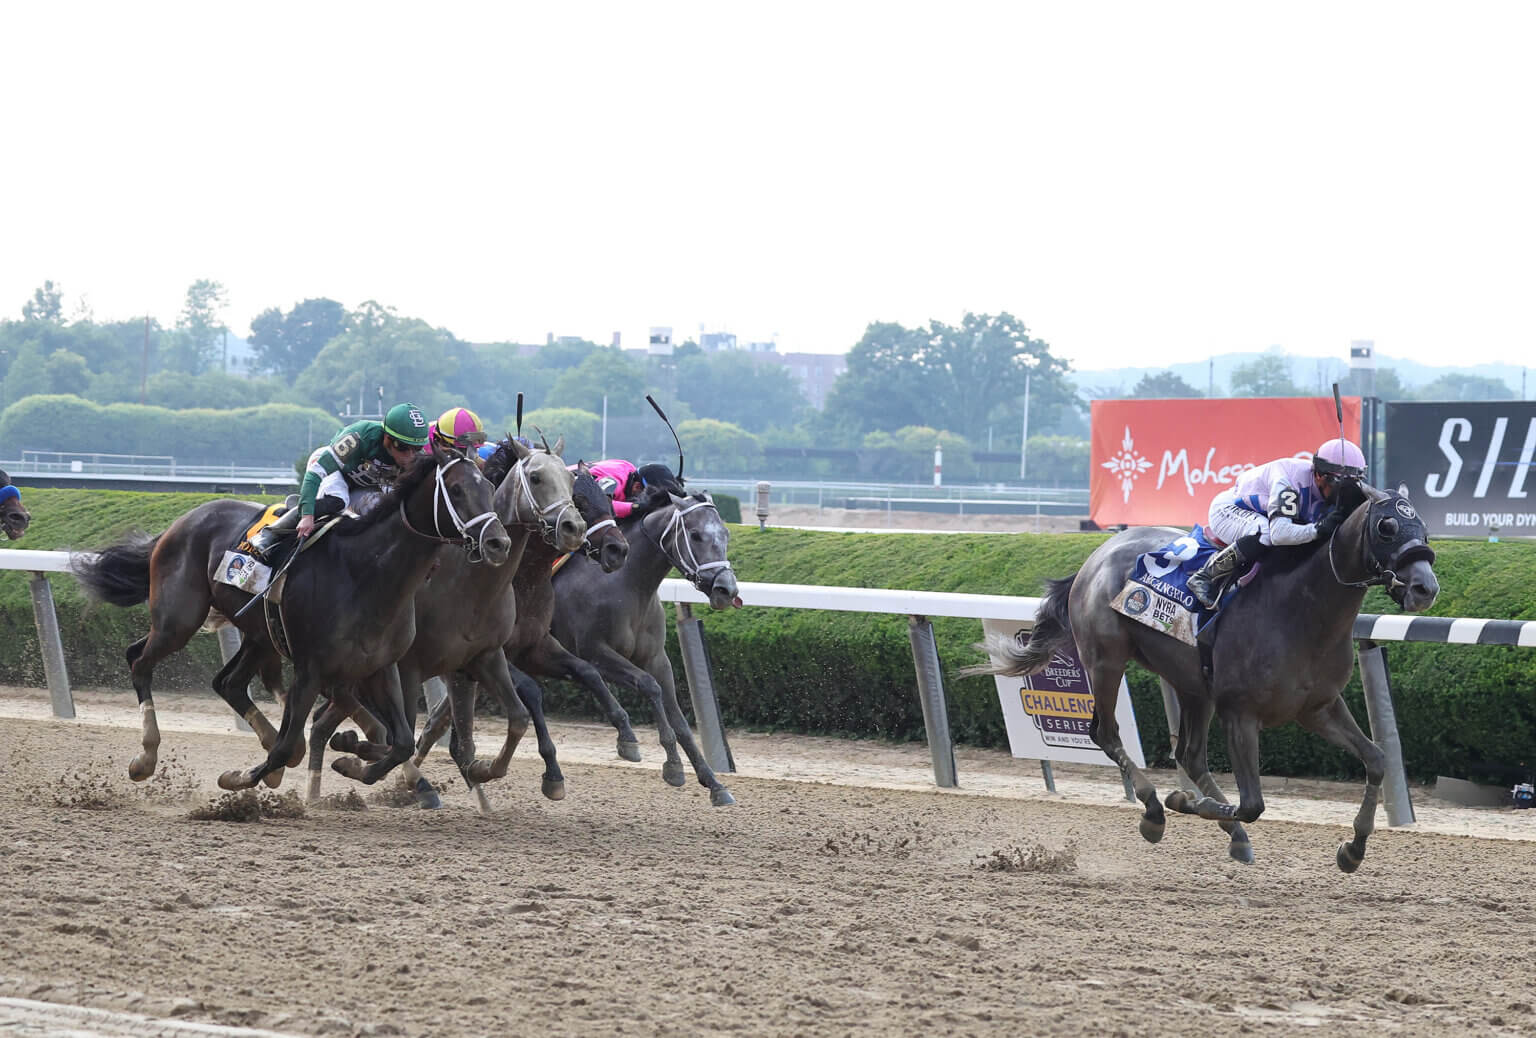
(144, 371)
(1024, 433)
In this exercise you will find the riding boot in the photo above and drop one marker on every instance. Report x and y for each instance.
(1204, 582)
(268, 536)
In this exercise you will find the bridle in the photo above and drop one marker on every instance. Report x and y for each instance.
(591, 550)
(474, 545)
(1378, 573)
(681, 554)
(549, 528)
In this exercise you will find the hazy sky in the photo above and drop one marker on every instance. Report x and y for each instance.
(1140, 183)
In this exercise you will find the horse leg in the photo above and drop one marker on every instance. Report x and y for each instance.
(290, 735)
(387, 699)
(1194, 735)
(231, 683)
(553, 783)
(615, 668)
(492, 671)
(320, 730)
(661, 670)
(1335, 723)
(271, 667)
(1243, 747)
(549, 659)
(174, 618)
(1104, 678)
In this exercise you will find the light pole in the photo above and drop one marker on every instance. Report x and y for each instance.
(1024, 433)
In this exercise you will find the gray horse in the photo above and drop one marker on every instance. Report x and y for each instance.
(615, 621)
(1283, 651)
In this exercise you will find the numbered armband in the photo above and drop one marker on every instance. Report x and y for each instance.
(346, 447)
(1285, 503)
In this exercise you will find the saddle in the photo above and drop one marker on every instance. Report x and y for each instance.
(1157, 593)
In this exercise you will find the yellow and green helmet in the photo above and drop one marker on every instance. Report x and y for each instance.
(406, 423)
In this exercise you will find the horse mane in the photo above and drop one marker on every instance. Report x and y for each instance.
(386, 504)
(500, 462)
(585, 491)
(5, 478)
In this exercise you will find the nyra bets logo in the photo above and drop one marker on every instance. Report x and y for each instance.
(1128, 464)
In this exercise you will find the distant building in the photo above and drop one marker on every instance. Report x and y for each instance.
(715, 342)
(815, 372)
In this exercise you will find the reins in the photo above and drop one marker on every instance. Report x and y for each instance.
(1379, 574)
(549, 529)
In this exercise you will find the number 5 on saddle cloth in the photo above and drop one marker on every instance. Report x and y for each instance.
(1157, 592)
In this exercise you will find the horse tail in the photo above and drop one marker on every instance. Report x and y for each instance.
(119, 573)
(1052, 630)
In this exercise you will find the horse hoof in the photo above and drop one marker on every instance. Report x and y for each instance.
(351, 767)
(344, 742)
(273, 778)
(1348, 860)
(1179, 801)
(426, 797)
(233, 780)
(629, 750)
(672, 773)
(141, 767)
(1241, 851)
(721, 797)
(297, 756)
(479, 772)
(553, 789)
(1151, 830)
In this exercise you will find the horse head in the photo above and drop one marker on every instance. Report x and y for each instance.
(461, 507)
(537, 494)
(14, 517)
(1385, 538)
(605, 543)
(694, 539)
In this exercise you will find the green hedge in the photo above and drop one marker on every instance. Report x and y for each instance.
(272, 434)
(94, 635)
(1462, 710)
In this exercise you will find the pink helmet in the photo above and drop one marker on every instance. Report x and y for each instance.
(1339, 458)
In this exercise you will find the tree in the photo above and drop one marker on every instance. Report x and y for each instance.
(406, 356)
(958, 378)
(1165, 385)
(1382, 383)
(1466, 388)
(27, 375)
(907, 454)
(1266, 375)
(733, 387)
(210, 389)
(718, 448)
(606, 371)
(67, 372)
(199, 328)
(581, 429)
(286, 344)
(46, 304)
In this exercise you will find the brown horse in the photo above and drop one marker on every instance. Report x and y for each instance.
(14, 517)
(346, 606)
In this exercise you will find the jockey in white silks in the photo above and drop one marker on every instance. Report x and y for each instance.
(1287, 501)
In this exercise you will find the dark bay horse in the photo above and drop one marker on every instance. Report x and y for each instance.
(1283, 652)
(14, 517)
(347, 605)
(466, 613)
(532, 651)
(615, 621)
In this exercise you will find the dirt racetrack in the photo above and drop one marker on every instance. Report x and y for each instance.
(812, 907)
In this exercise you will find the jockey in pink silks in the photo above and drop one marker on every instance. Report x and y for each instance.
(1287, 501)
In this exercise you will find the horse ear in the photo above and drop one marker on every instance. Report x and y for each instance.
(519, 450)
(582, 467)
(1402, 490)
(558, 450)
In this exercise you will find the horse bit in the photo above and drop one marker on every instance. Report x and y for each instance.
(682, 554)
(474, 546)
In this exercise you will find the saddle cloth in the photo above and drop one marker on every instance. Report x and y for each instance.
(1157, 593)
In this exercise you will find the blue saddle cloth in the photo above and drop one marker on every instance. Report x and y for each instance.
(1167, 571)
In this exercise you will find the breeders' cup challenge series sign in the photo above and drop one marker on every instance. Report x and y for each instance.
(1467, 466)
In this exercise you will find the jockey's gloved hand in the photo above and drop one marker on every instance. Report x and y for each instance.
(1331, 522)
